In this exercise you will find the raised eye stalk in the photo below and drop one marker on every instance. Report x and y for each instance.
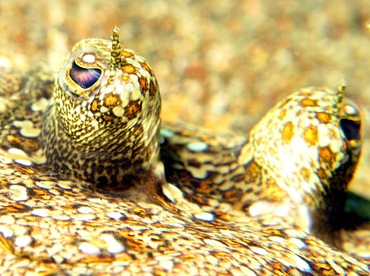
(116, 50)
(342, 85)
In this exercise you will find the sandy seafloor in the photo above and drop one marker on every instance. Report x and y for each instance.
(220, 64)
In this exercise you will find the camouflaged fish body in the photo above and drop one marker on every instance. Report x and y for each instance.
(82, 191)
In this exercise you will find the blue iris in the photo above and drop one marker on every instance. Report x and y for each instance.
(84, 77)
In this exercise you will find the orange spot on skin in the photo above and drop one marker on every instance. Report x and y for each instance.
(94, 106)
(126, 54)
(310, 135)
(146, 67)
(282, 114)
(26, 144)
(125, 78)
(152, 89)
(252, 172)
(233, 195)
(204, 187)
(129, 69)
(306, 174)
(132, 109)
(321, 174)
(143, 83)
(323, 117)
(288, 132)
(326, 155)
(308, 102)
(111, 100)
(108, 118)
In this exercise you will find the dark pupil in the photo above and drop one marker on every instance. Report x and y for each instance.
(84, 77)
(351, 129)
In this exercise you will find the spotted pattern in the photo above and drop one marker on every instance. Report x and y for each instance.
(87, 117)
(296, 163)
(82, 189)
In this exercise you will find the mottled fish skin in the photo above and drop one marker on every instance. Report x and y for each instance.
(297, 161)
(68, 209)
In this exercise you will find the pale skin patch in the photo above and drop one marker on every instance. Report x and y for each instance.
(118, 111)
(88, 58)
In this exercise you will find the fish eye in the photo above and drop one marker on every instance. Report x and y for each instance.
(350, 124)
(351, 129)
(84, 77)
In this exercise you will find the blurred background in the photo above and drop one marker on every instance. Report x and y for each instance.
(220, 64)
